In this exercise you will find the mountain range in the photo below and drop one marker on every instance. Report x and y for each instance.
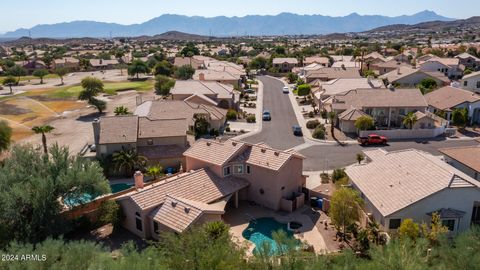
(221, 26)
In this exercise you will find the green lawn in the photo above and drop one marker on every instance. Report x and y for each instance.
(26, 78)
(110, 88)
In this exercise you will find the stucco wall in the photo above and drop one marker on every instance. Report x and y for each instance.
(467, 170)
(396, 134)
(177, 140)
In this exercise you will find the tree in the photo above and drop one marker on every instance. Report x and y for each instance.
(184, 72)
(17, 71)
(163, 68)
(109, 213)
(9, 81)
(33, 187)
(427, 85)
(84, 63)
(60, 73)
(43, 130)
(365, 122)
(121, 110)
(331, 117)
(409, 229)
(360, 157)
(258, 63)
(154, 171)
(410, 120)
(137, 67)
(91, 88)
(201, 126)
(190, 50)
(128, 160)
(292, 77)
(163, 85)
(304, 90)
(344, 208)
(435, 230)
(40, 73)
(5, 136)
(368, 73)
(460, 117)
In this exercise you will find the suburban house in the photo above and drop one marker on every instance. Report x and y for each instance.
(331, 73)
(405, 76)
(447, 99)
(323, 61)
(275, 176)
(160, 141)
(341, 86)
(465, 159)
(448, 66)
(206, 92)
(69, 63)
(223, 77)
(173, 109)
(414, 184)
(218, 176)
(101, 64)
(371, 59)
(342, 58)
(471, 82)
(388, 107)
(188, 61)
(285, 64)
(468, 61)
(388, 66)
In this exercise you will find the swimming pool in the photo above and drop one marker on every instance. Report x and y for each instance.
(259, 231)
(120, 187)
(87, 197)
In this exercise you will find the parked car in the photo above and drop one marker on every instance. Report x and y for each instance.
(249, 91)
(266, 116)
(297, 130)
(286, 90)
(372, 139)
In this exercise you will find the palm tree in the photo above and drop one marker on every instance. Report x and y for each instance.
(360, 158)
(128, 160)
(331, 117)
(121, 110)
(410, 120)
(43, 130)
(154, 171)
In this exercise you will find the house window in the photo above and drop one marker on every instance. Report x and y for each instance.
(138, 221)
(150, 142)
(478, 84)
(226, 171)
(449, 223)
(238, 169)
(465, 83)
(394, 224)
(248, 169)
(155, 227)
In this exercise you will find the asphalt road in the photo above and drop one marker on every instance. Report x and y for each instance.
(278, 132)
(329, 157)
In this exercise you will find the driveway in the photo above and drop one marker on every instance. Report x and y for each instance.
(329, 157)
(278, 132)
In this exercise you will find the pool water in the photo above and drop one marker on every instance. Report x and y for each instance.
(260, 231)
(120, 187)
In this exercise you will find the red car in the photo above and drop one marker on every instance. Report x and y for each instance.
(372, 139)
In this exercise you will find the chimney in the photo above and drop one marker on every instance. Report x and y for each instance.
(201, 77)
(398, 71)
(138, 176)
(96, 131)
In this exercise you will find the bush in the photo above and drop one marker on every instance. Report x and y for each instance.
(251, 118)
(312, 124)
(227, 129)
(338, 174)
(231, 115)
(214, 132)
(319, 133)
(365, 123)
(109, 212)
(311, 114)
(324, 114)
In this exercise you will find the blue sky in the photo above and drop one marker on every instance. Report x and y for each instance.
(28, 13)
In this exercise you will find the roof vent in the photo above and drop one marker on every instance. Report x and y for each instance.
(264, 150)
(276, 153)
(209, 143)
(187, 210)
(234, 143)
(174, 204)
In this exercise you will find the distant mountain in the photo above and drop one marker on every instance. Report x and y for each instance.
(432, 25)
(281, 24)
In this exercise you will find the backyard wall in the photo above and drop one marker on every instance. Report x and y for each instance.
(399, 134)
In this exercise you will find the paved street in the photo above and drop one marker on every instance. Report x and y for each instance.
(278, 132)
(329, 157)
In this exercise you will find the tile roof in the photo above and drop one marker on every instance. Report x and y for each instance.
(471, 75)
(279, 60)
(214, 75)
(333, 73)
(161, 151)
(214, 152)
(201, 185)
(394, 180)
(169, 109)
(202, 87)
(467, 55)
(404, 71)
(118, 129)
(448, 97)
(342, 85)
(468, 156)
(148, 128)
(351, 114)
(316, 59)
(179, 214)
(367, 98)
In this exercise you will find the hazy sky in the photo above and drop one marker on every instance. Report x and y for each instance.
(28, 13)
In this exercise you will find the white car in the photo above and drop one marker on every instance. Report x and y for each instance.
(286, 90)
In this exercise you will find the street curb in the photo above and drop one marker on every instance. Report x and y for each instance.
(258, 115)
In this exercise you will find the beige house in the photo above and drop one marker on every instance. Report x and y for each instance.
(386, 67)
(275, 176)
(285, 64)
(405, 76)
(69, 63)
(465, 159)
(448, 66)
(331, 73)
(160, 141)
(206, 92)
(323, 61)
(223, 77)
(101, 64)
(471, 82)
(414, 184)
(188, 61)
(468, 61)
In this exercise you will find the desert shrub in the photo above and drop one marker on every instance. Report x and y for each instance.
(319, 132)
(312, 124)
(251, 118)
(231, 115)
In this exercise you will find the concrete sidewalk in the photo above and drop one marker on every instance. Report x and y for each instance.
(258, 125)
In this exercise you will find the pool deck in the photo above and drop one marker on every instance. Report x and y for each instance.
(239, 218)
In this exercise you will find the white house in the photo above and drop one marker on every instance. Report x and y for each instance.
(471, 82)
(448, 66)
(414, 184)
